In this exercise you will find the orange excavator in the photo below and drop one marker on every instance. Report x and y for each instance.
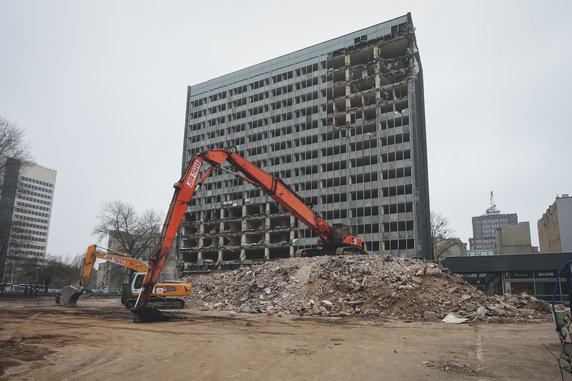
(165, 295)
(333, 240)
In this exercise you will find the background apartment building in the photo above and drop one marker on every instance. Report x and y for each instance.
(341, 122)
(555, 226)
(25, 213)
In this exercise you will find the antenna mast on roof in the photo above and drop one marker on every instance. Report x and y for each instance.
(493, 208)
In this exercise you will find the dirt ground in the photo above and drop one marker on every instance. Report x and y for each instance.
(98, 341)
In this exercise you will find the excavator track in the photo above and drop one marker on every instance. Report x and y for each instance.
(350, 250)
(159, 303)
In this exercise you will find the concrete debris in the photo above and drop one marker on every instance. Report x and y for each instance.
(482, 311)
(457, 368)
(372, 286)
(429, 315)
(452, 318)
(299, 351)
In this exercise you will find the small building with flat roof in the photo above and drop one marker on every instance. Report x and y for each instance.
(534, 274)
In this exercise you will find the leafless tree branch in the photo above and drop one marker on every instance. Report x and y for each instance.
(136, 234)
(440, 232)
(12, 144)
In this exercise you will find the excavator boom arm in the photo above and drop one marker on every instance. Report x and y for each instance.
(110, 256)
(276, 189)
(186, 188)
(70, 294)
(184, 191)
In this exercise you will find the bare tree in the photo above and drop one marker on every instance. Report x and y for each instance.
(129, 232)
(12, 144)
(14, 154)
(439, 226)
(136, 234)
(441, 235)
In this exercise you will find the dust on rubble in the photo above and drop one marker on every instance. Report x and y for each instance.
(356, 285)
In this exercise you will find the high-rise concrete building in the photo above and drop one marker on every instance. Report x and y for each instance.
(555, 226)
(485, 227)
(341, 122)
(25, 213)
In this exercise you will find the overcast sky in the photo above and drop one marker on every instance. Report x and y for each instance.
(100, 89)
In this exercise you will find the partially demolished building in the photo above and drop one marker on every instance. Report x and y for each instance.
(341, 122)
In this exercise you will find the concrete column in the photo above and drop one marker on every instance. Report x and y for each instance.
(242, 255)
(266, 254)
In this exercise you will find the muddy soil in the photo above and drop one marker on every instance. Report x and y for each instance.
(98, 341)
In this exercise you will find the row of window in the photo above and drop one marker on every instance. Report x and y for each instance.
(260, 108)
(35, 187)
(29, 225)
(25, 204)
(32, 212)
(25, 252)
(358, 178)
(28, 238)
(37, 181)
(26, 231)
(259, 209)
(28, 246)
(34, 200)
(401, 244)
(218, 120)
(328, 215)
(211, 229)
(251, 125)
(258, 84)
(35, 194)
(312, 139)
(31, 219)
(387, 115)
(304, 186)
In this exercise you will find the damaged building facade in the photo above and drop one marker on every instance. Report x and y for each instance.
(341, 122)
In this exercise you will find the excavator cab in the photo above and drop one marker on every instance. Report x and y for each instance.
(341, 232)
(345, 242)
(137, 284)
(166, 294)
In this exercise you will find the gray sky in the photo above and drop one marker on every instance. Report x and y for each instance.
(100, 88)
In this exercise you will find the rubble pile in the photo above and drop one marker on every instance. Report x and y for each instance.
(387, 287)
